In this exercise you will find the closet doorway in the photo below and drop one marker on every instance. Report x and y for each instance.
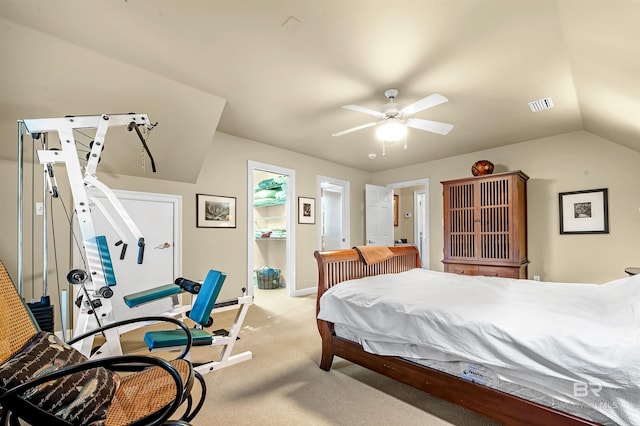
(270, 228)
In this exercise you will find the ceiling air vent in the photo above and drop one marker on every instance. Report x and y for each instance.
(541, 104)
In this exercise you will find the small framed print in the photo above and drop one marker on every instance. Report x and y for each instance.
(306, 210)
(215, 211)
(584, 212)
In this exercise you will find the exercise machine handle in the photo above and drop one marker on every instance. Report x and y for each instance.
(140, 250)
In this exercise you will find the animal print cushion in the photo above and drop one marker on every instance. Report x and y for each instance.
(80, 398)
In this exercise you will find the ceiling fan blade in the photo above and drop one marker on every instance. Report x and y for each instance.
(353, 129)
(365, 110)
(424, 103)
(429, 126)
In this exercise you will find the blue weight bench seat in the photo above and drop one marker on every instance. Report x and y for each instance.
(142, 297)
(200, 312)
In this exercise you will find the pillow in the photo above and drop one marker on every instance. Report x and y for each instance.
(80, 398)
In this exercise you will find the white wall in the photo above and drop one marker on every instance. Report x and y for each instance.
(569, 162)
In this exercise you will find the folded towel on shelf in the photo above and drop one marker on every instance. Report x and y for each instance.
(272, 182)
(265, 193)
(278, 233)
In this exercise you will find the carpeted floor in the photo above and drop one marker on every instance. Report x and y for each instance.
(283, 385)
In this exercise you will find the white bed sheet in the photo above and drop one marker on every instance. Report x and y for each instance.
(577, 343)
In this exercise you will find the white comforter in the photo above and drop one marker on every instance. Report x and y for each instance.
(586, 335)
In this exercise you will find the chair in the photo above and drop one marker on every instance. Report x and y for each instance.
(44, 380)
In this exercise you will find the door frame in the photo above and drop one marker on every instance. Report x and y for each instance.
(346, 196)
(425, 224)
(290, 276)
(426, 262)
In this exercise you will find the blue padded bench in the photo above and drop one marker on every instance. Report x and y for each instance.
(200, 312)
(142, 297)
(169, 338)
(105, 260)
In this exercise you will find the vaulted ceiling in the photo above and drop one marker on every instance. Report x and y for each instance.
(278, 72)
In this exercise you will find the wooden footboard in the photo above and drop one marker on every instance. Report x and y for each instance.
(341, 265)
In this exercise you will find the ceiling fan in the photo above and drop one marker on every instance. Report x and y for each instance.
(391, 115)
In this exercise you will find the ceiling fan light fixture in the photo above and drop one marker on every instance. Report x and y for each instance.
(391, 130)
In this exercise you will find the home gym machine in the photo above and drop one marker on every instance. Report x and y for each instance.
(97, 277)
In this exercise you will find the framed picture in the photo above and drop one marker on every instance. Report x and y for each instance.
(214, 211)
(584, 212)
(396, 202)
(306, 210)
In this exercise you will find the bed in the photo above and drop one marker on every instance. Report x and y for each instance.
(496, 392)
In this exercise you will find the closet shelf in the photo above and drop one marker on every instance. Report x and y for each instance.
(268, 203)
(266, 218)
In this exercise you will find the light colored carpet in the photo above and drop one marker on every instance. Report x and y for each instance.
(283, 385)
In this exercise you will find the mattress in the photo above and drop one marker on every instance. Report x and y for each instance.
(571, 346)
(509, 383)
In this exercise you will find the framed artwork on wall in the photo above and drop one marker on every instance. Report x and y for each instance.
(584, 212)
(215, 211)
(306, 210)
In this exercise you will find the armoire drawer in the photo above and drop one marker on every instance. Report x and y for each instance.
(499, 271)
(461, 269)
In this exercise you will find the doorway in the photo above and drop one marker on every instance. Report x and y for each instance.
(333, 229)
(414, 212)
(270, 227)
(421, 224)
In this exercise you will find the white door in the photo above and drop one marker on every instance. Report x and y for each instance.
(158, 218)
(379, 215)
(333, 221)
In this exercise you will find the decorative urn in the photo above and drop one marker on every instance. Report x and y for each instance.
(482, 167)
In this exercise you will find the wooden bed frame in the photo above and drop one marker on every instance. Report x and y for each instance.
(341, 265)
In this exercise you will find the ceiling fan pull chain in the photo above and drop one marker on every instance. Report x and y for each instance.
(142, 160)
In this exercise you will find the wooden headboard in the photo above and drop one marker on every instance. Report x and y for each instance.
(342, 265)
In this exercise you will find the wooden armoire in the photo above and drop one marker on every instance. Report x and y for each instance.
(485, 225)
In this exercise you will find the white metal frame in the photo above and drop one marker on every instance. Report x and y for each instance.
(80, 181)
(226, 358)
